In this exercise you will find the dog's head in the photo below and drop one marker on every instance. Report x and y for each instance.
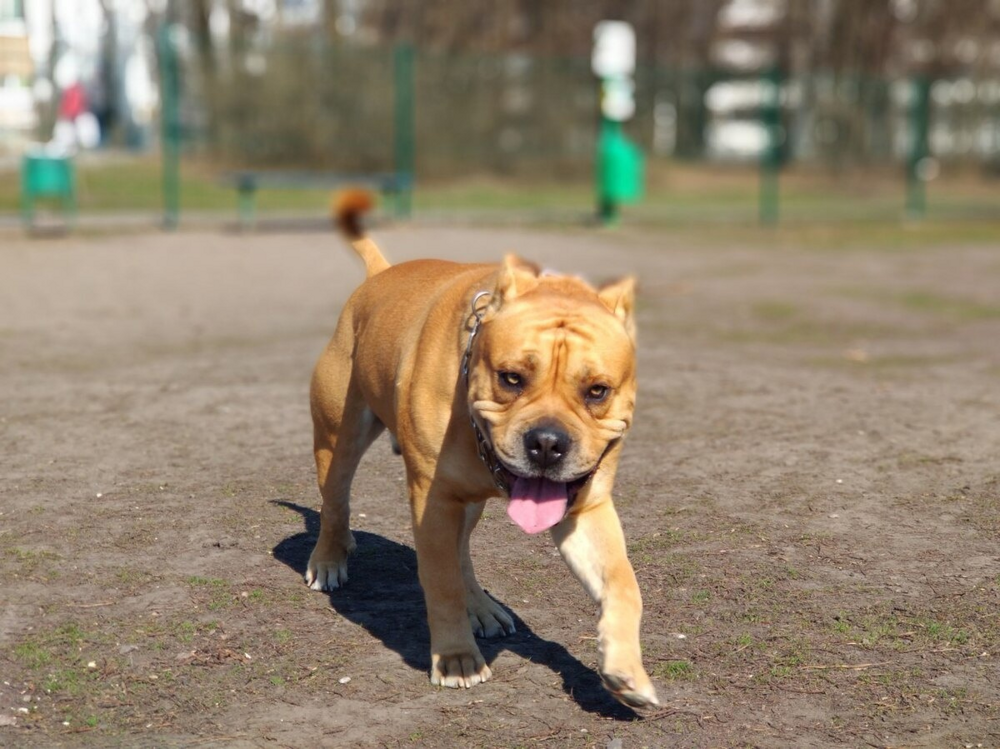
(552, 383)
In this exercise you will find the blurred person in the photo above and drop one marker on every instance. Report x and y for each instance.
(76, 126)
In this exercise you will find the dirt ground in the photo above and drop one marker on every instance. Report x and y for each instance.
(810, 492)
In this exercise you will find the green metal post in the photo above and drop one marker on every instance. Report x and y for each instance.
(607, 205)
(27, 196)
(403, 126)
(916, 186)
(770, 159)
(170, 127)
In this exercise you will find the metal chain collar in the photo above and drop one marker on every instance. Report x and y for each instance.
(486, 454)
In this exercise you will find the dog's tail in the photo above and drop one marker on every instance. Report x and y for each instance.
(348, 209)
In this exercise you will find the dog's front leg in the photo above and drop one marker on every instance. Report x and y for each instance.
(592, 543)
(438, 521)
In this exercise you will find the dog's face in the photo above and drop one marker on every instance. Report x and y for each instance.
(553, 382)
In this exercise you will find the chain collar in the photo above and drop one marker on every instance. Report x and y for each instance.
(486, 454)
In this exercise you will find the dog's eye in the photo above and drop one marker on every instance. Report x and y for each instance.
(511, 379)
(597, 393)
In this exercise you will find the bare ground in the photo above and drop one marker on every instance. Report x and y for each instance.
(810, 493)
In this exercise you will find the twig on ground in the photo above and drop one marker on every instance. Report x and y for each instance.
(843, 666)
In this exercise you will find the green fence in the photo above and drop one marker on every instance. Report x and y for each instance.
(513, 135)
(818, 145)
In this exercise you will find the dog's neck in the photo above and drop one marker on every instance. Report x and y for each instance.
(485, 449)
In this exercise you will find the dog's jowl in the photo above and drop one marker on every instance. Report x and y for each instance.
(494, 381)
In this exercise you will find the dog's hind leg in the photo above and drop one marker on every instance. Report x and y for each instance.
(487, 617)
(342, 434)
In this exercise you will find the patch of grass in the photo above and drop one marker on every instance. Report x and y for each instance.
(944, 633)
(133, 578)
(752, 615)
(32, 654)
(71, 681)
(648, 549)
(674, 671)
(29, 560)
(955, 308)
(69, 633)
(214, 582)
(701, 596)
(815, 331)
(952, 699)
(789, 659)
(922, 301)
(901, 633)
(137, 537)
(186, 631)
(220, 594)
(886, 364)
(774, 311)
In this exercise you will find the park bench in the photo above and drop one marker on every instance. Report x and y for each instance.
(394, 185)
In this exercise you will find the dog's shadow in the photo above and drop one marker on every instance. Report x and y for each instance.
(385, 598)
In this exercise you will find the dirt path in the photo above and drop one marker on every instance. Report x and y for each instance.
(811, 495)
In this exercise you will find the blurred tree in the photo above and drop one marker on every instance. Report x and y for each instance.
(107, 95)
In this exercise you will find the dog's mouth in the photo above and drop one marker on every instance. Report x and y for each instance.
(537, 503)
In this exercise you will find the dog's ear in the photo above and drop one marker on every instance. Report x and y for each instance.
(516, 277)
(619, 297)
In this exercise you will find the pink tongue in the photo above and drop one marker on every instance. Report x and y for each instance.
(537, 504)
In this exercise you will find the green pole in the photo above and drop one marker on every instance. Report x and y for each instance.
(403, 127)
(916, 187)
(770, 159)
(170, 128)
(607, 205)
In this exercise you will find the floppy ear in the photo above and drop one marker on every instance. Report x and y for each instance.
(619, 297)
(516, 277)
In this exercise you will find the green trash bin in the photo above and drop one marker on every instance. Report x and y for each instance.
(47, 175)
(620, 170)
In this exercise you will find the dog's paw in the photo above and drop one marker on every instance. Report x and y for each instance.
(326, 575)
(460, 670)
(327, 567)
(635, 691)
(487, 617)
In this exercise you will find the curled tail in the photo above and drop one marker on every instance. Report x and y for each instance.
(348, 209)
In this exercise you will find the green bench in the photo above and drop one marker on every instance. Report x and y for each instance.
(45, 175)
(396, 186)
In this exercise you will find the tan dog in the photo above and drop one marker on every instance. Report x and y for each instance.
(544, 366)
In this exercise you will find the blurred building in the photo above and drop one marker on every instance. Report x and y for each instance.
(17, 110)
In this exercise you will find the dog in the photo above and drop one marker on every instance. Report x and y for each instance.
(493, 381)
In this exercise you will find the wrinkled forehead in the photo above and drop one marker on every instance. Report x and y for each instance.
(583, 334)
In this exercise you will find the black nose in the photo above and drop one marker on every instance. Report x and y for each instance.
(546, 446)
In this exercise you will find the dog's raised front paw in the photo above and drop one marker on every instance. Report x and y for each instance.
(634, 691)
(487, 617)
(459, 670)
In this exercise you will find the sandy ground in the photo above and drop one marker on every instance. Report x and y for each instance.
(810, 493)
